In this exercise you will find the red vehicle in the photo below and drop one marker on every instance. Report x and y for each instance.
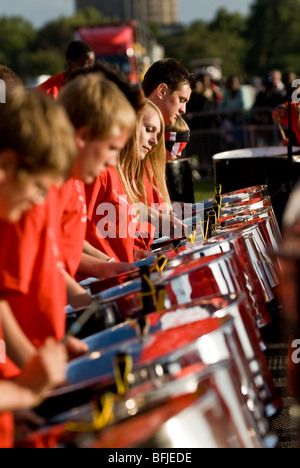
(131, 45)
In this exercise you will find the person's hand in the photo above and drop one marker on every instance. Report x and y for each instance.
(76, 347)
(279, 113)
(285, 142)
(141, 254)
(178, 228)
(45, 371)
(170, 157)
(110, 269)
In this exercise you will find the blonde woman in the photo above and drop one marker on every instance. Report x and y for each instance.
(120, 201)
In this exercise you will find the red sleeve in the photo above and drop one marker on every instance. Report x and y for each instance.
(53, 85)
(73, 223)
(19, 245)
(110, 218)
(96, 192)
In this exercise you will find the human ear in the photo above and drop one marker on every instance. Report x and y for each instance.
(162, 90)
(83, 135)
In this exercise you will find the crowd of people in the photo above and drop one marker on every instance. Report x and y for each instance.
(84, 142)
(230, 105)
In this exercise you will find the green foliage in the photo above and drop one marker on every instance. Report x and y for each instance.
(273, 31)
(269, 37)
(30, 53)
(17, 38)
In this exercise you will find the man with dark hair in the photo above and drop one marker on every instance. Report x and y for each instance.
(78, 55)
(169, 85)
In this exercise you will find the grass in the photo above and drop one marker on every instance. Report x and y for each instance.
(203, 189)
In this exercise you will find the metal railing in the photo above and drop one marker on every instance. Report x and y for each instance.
(218, 131)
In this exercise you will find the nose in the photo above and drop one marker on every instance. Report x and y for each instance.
(182, 108)
(153, 139)
(38, 197)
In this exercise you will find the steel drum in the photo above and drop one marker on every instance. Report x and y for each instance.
(268, 166)
(189, 412)
(178, 284)
(162, 357)
(245, 325)
(259, 229)
(247, 256)
(217, 305)
(238, 197)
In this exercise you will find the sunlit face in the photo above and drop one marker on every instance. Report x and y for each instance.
(95, 155)
(174, 104)
(150, 130)
(19, 195)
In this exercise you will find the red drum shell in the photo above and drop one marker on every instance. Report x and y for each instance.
(244, 257)
(260, 230)
(212, 275)
(242, 196)
(201, 420)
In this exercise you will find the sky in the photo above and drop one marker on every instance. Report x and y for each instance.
(38, 12)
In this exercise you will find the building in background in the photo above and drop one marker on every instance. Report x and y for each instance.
(164, 12)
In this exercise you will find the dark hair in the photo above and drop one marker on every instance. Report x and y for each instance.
(77, 49)
(133, 92)
(168, 71)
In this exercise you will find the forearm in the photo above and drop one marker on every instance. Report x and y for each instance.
(18, 347)
(93, 252)
(102, 269)
(14, 396)
(77, 295)
(92, 266)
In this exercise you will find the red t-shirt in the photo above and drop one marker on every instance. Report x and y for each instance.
(6, 418)
(53, 85)
(31, 273)
(148, 231)
(73, 223)
(111, 221)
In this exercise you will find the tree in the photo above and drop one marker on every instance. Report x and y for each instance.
(17, 38)
(273, 33)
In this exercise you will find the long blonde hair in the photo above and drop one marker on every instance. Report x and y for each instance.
(131, 169)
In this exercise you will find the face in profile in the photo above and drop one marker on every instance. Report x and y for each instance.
(95, 155)
(149, 135)
(19, 193)
(174, 103)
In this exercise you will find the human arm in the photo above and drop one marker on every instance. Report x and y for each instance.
(18, 347)
(45, 371)
(102, 269)
(77, 296)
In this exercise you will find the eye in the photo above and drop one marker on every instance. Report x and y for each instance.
(149, 129)
(43, 191)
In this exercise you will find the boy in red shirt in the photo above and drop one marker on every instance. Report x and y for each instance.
(29, 165)
(78, 54)
(104, 120)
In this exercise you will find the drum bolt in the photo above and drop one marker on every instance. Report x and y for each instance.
(294, 411)
(254, 367)
(159, 370)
